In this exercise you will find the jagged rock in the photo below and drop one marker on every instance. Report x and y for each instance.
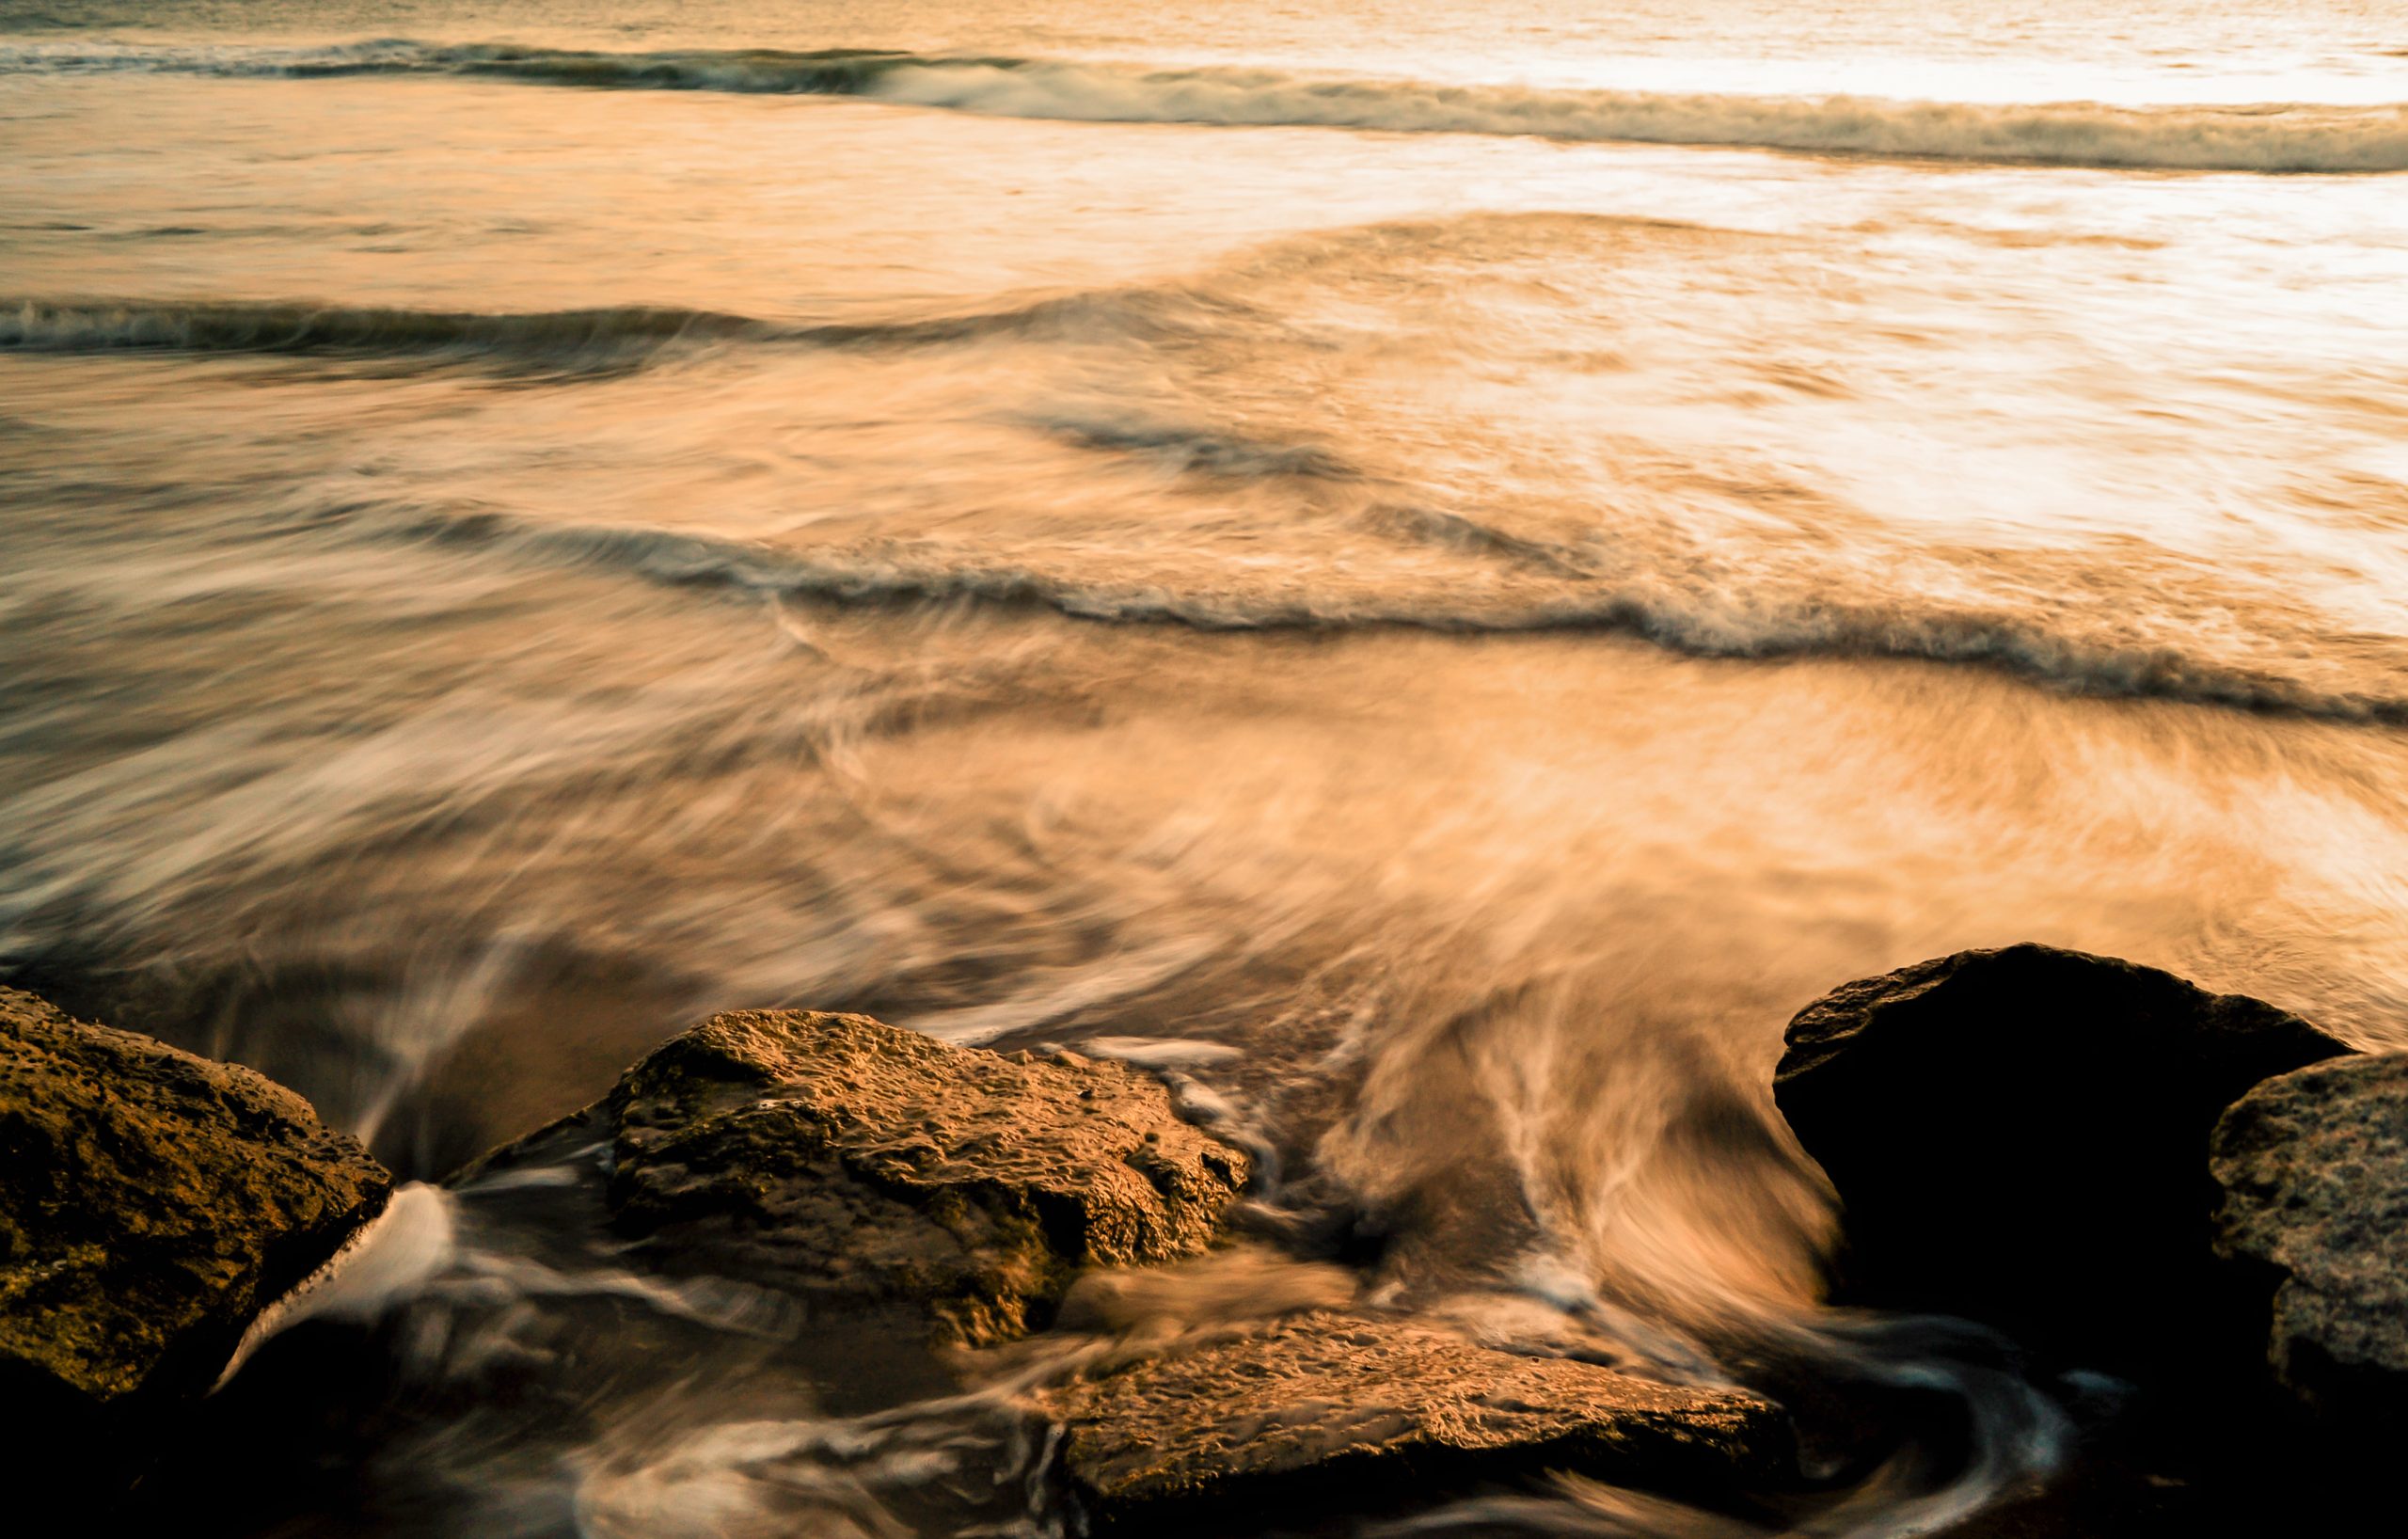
(2019, 1136)
(2314, 1167)
(151, 1203)
(1325, 1411)
(840, 1158)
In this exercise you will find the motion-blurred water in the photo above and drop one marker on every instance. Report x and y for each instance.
(1467, 561)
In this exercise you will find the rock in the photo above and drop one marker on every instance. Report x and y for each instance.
(1326, 1411)
(2019, 1136)
(839, 1158)
(2314, 1167)
(151, 1203)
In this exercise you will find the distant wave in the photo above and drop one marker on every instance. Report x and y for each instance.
(601, 337)
(2273, 138)
(557, 336)
(1662, 613)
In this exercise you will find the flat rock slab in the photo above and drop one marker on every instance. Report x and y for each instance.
(2314, 1167)
(837, 1156)
(151, 1203)
(2021, 1136)
(1342, 1412)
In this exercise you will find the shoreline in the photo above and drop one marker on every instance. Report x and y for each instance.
(2097, 1450)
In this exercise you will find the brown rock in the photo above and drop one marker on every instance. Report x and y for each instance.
(151, 1203)
(2314, 1167)
(841, 1158)
(1346, 1412)
(2019, 1136)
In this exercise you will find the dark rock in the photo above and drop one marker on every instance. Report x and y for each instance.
(2314, 1167)
(2019, 1138)
(151, 1203)
(842, 1159)
(1322, 1411)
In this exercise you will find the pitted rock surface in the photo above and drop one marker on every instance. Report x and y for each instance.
(1339, 1409)
(151, 1203)
(2314, 1167)
(837, 1156)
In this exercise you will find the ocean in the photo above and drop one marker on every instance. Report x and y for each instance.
(1441, 569)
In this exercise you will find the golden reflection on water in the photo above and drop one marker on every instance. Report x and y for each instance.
(1476, 627)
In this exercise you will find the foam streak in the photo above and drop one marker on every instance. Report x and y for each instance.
(2272, 138)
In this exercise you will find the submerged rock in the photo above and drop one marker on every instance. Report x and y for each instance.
(151, 1203)
(2314, 1167)
(2019, 1136)
(837, 1157)
(1343, 1412)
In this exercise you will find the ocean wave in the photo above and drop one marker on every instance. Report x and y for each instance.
(598, 338)
(558, 337)
(2273, 138)
(1662, 613)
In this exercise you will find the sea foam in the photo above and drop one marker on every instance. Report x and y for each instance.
(2268, 137)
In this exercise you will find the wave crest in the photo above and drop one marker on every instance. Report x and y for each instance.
(575, 337)
(2272, 138)
(1661, 612)
(599, 337)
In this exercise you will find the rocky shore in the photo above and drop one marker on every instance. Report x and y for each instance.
(151, 1204)
(2187, 1208)
(2197, 1201)
(2314, 1171)
(2020, 1138)
(861, 1164)
(1329, 1411)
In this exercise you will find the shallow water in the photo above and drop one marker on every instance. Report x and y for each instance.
(1459, 570)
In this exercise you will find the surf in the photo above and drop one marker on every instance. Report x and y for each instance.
(2271, 137)
(1654, 608)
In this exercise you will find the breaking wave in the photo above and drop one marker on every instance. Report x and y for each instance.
(1638, 604)
(2274, 138)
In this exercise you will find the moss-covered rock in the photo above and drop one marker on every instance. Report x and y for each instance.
(151, 1203)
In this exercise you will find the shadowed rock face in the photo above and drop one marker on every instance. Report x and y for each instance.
(832, 1155)
(1325, 1410)
(151, 1205)
(2314, 1167)
(2021, 1136)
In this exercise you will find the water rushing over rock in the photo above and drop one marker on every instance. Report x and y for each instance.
(1325, 1413)
(889, 1183)
(846, 1160)
(151, 1204)
(1426, 574)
